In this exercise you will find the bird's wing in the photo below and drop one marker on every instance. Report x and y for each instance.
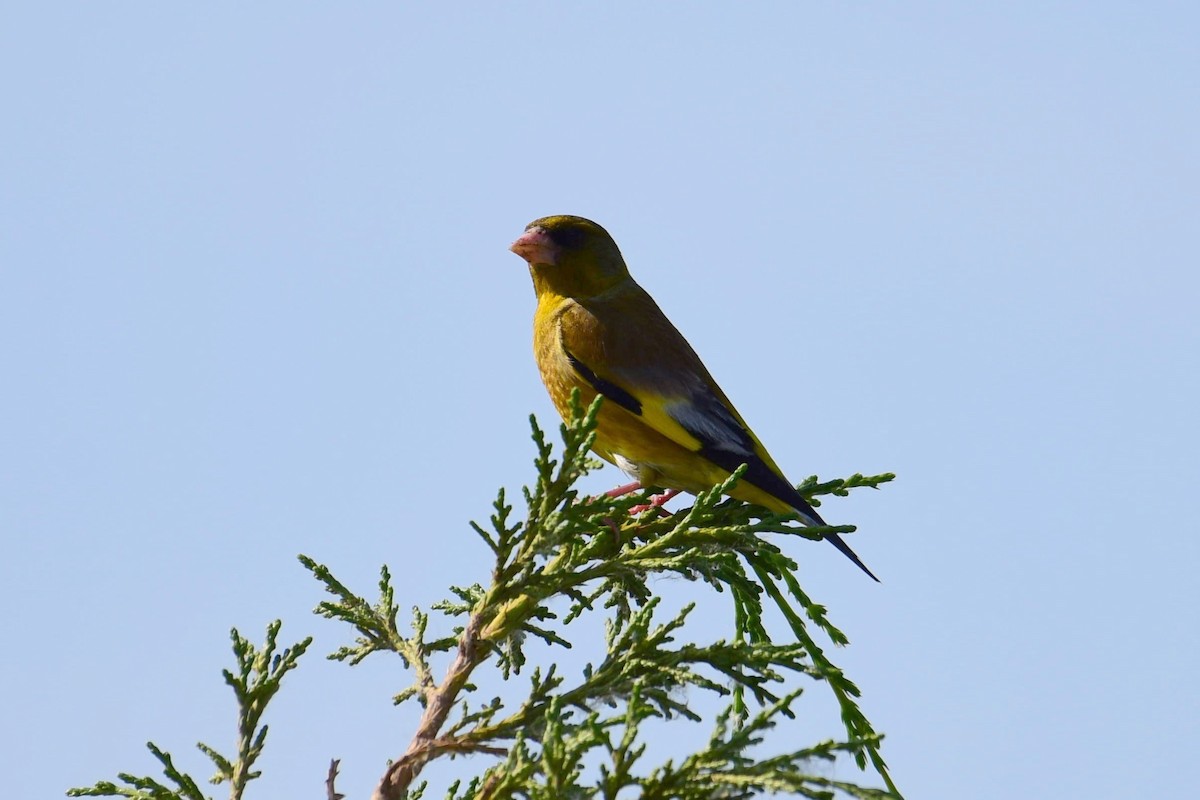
(627, 350)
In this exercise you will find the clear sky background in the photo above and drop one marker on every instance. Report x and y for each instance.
(255, 300)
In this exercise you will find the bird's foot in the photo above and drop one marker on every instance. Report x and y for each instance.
(621, 491)
(656, 502)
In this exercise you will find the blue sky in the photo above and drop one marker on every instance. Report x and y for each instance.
(255, 300)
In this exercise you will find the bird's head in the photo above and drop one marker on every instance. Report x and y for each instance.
(571, 256)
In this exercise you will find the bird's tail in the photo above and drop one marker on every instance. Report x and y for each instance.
(836, 540)
(811, 517)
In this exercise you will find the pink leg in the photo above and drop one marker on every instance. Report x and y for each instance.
(657, 502)
(618, 492)
(621, 491)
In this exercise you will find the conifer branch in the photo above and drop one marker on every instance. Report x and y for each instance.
(255, 682)
(570, 557)
(590, 551)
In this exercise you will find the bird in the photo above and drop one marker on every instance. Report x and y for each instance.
(664, 421)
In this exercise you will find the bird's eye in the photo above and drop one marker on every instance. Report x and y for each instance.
(569, 237)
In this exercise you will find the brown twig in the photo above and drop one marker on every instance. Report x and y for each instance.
(425, 743)
(488, 789)
(330, 792)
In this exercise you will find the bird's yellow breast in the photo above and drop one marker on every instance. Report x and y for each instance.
(557, 373)
(622, 437)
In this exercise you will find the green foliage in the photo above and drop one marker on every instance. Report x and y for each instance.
(600, 557)
(582, 736)
(256, 680)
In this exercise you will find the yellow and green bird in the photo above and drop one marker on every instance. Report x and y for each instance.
(665, 422)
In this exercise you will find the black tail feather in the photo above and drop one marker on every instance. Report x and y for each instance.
(837, 542)
(760, 474)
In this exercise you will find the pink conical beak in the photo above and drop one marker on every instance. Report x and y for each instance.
(535, 246)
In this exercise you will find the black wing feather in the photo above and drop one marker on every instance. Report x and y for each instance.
(724, 442)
